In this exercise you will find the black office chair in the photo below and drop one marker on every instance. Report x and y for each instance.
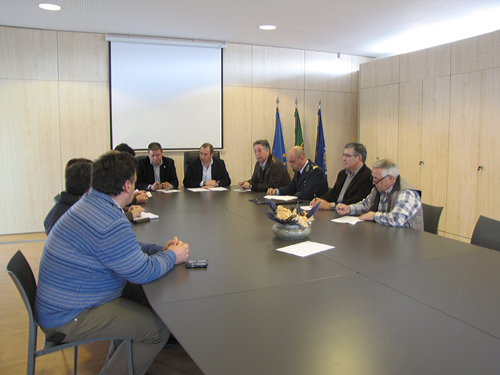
(22, 276)
(486, 233)
(432, 214)
(190, 155)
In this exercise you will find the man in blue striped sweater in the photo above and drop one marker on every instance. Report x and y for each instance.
(92, 267)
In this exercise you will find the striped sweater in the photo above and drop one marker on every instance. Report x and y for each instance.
(89, 255)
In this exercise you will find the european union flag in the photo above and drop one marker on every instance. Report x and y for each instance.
(278, 143)
(320, 158)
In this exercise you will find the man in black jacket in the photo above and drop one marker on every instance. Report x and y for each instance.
(156, 171)
(353, 183)
(269, 172)
(206, 171)
(309, 180)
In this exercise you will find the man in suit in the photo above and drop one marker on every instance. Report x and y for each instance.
(157, 171)
(269, 172)
(309, 180)
(206, 171)
(353, 183)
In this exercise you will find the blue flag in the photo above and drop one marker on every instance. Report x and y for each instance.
(320, 158)
(278, 143)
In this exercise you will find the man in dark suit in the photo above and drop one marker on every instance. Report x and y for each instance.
(206, 171)
(156, 171)
(353, 183)
(309, 180)
(269, 172)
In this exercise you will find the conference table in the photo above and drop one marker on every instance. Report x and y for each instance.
(384, 300)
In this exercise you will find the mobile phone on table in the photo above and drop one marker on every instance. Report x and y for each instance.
(196, 263)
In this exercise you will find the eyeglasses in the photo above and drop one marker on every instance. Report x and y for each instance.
(376, 182)
(348, 156)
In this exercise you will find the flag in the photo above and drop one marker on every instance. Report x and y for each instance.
(299, 141)
(320, 158)
(278, 143)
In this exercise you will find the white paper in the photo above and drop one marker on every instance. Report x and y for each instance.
(217, 188)
(147, 214)
(304, 249)
(280, 197)
(199, 190)
(347, 220)
(243, 190)
(306, 208)
(165, 191)
(148, 193)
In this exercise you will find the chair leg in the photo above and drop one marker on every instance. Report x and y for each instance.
(129, 357)
(75, 364)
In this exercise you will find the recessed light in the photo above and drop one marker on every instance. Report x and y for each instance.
(49, 6)
(267, 27)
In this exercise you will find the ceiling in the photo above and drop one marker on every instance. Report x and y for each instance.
(376, 28)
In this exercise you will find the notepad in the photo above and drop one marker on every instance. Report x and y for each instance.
(304, 249)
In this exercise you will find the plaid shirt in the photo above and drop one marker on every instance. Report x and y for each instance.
(406, 206)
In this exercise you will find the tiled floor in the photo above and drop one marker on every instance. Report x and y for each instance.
(14, 328)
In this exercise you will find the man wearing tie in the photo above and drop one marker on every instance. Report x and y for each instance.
(156, 171)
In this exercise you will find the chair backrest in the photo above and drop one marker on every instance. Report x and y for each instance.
(486, 233)
(432, 214)
(190, 155)
(19, 270)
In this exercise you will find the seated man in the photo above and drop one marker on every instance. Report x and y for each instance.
(77, 181)
(269, 172)
(86, 262)
(156, 171)
(309, 180)
(353, 183)
(206, 171)
(392, 201)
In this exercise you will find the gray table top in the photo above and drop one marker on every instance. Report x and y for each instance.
(383, 301)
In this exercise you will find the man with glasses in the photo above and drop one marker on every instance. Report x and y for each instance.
(392, 201)
(353, 183)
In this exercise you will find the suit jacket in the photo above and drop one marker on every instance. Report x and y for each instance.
(358, 189)
(274, 175)
(312, 182)
(194, 173)
(146, 173)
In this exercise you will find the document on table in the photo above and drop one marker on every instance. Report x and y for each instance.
(304, 249)
(243, 190)
(147, 214)
(199, 190)
(284, 198)
(165, 191)
(347, 220)
(306, 208)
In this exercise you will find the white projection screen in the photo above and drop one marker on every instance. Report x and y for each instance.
(166, 94)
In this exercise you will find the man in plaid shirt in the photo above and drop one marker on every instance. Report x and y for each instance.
(392, 201)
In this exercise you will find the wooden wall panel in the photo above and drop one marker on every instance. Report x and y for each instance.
(237, 62)
(327, 72)
(427, 63)
(435, 143)
(488, 203)
(380, 72)
(379, 122)
(279, 68)
(83, 57)
(356, 62)
(29, 153)
(478, 53)
(465, 119)
(28, 54)
(84, 109)
(239, 157)
(410, 131)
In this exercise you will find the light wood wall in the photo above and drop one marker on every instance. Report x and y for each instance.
(436, 113)
(54, 106)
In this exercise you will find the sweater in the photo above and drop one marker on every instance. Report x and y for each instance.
(89, 256)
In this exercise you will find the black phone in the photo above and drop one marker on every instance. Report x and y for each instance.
(196, 263)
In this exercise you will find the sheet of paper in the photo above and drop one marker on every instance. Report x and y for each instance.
(148, 193)
(243, 190)
(304, 249)
(198, 190)
(347, 220)
(165, 191)
(148, 214)
(218, 188)
(306, 208)
(280, 197)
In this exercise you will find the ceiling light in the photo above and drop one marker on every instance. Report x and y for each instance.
(267, 27)
(49, 6)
